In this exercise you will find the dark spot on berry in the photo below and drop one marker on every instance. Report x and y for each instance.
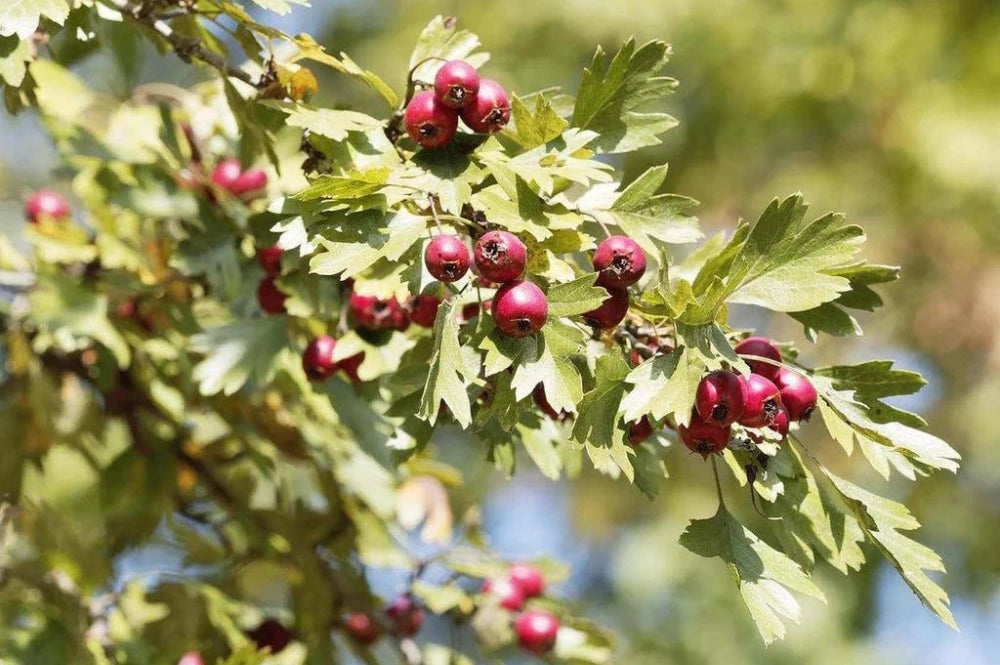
(450, 269)
(720, 412)
(523, 325)
(492, 251)
(428, 130)
(495, 117)
(621, 264)
(770, 408)
(457, 93)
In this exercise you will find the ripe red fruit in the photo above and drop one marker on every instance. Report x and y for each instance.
(542, 402)
(317, 360)
(612, 311)
(620, 261)
(537, 630)
(251, 180)
(371, 313)
(350, 366)
(447, 258)
(639, 431)
(423, 310)
(456, 84)
(490, 110)
(798, 394)
(765, 348)
(500, 256)
(226, 173)
(406, 616)
(508, 594)
(520, 308)
(704, 438)
(430, 123)
(719, 398)
(191, 658)
(527, 578)
(781, 422)
(270, 259)
(362, 628)
(761, 401)
(45, 203)
(270, 634)
(270, 297)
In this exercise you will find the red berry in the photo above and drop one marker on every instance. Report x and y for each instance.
(430, 123)
(761, 401)
(765, 348)
(537, 630)
(270, 634)
(500, 256)
(447, 258)
(612, 311)
(471, 310)
(719, 398)
(527, 578)
(781, 422)
(226, 173)
(270, 259)
(406, 616)
(639, 431)
(620, 261)
(456, 84)
(45, 203)
(317, 360)
(798, 394)
(350, 366)
(704, 438)
(362, 628)
(126, 309)
(251, 180)
(508, 594)
(542, 402)
(423, 310)
(520, 308)
(270, 297)
(371, 313)
(191, 658)
(490, 110)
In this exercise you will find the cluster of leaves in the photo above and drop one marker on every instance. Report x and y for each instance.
(191, 422)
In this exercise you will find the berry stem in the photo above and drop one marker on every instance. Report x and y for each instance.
(718, 483)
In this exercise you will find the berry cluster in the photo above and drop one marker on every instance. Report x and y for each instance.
(431, 117)
(536, 629)
(772, 396)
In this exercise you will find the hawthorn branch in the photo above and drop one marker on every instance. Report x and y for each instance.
(186, 48)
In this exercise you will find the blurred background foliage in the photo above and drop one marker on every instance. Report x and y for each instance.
(886, 110)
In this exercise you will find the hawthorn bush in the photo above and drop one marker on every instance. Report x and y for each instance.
(242, 335)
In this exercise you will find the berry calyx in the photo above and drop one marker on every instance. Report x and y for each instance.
(719, 398)
(612, 311)
(226, 173)
(270, 259)
(456, 84)
(639, 431)
(704, 438)
(520, 308)
(45, 203)
(270, 634)
(270, 297)
(430, 123)
(317, 360)
(620, 262)
(490, 110)
(500, 256)
(362, 628)
(406, 616)
(765, 348)
(798, 394)
(507, 594)
(447, 258)
(537, 630)
(527, 578)
(371, 313)
(423, 310)
(761, 401)
(191, 658)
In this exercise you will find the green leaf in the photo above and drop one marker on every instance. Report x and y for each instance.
(331, 123)
(568, 157)
(541, 445)
(313, 51)
(448, 175)
(598, 424)
(882, 520)
(70, 315)
(832, 317)
(611, 94)
(538, 127)
(764, 575)
(14, 57)
(450, 368)
(385, 236)
(237, 352)
(440, 41)
(21, 17)
(576, 297)
(442, 599)
(545, 359)
(280, 7)
(216, 257)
